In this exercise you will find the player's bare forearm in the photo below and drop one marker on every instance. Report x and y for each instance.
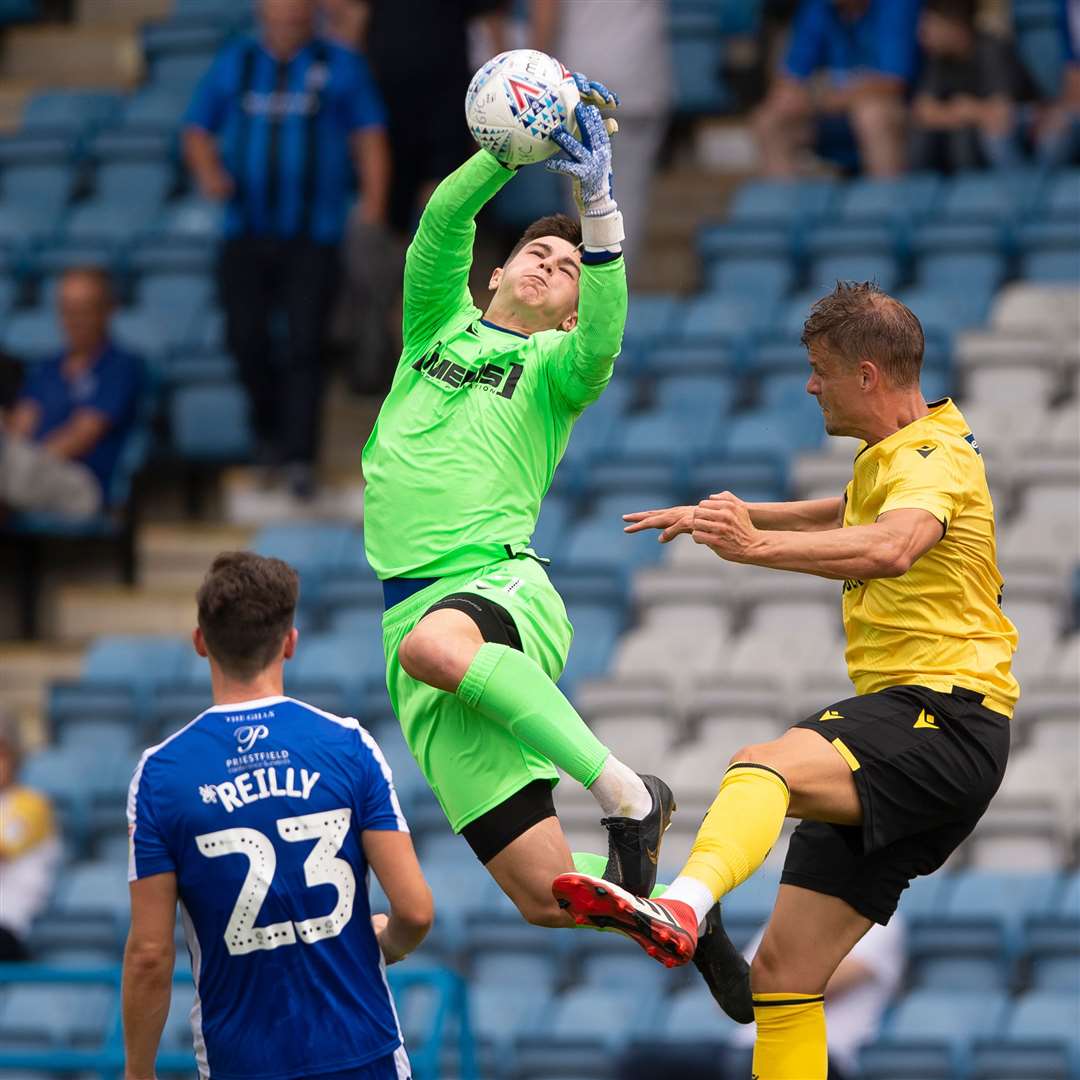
(887, 548)
(807, 515)
(147, 990)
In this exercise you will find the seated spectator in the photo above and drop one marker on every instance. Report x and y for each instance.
(29, 848)
(65, 434)
(864, 54)
(964, 115)
(1058, 137)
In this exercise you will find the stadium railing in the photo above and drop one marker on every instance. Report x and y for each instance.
(450, 1019)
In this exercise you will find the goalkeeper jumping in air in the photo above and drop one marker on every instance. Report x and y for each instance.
(464, 449)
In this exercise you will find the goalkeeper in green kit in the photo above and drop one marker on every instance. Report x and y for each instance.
(464, 449)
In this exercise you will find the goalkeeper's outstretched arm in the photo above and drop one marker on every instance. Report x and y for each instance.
(585, 364)
(440, 255)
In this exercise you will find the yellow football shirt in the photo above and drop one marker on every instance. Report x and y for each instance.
(939, 625)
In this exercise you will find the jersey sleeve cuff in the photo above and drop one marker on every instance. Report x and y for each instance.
(591, 257)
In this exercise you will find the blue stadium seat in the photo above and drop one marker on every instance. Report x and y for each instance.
(191, 221)
(92, 732)
(551, 524)
(945, 269)
(1054, 234)
(1040, 1038)
(500, 1013)
(947, 312)
(93, 890)
(335, 663)
(866, 199)
(1062, 198)
(696, 48)
(177, 1033)
(752, 481)
(780, 390)
(198, 366)
(146, 333)
(140, 661)
(179, 72)
(1051, 267)
(596, 628)
(771, 277)
(524, 967)
(778, 355)
(315, 548)
(737, 240)
(693, 1016)
(133, 184)
(852, 240)
(663, 434)
(32, 335)
(21, 226)
(649, 318)
(38, 185)
(826, 271)
(711, 359)
(604, 960)
(990, 197)
(41, 1015)
(68, 112)
(210, 423)
(622, 477)
(154, 109)
(363, 626)
(714, 319)
(108, 224)
(175, 300)
(764, 434)
(781, 202)
(695, 397)
(956, 237)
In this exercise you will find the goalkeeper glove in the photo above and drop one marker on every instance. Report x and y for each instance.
(588, 163)
(592, 92)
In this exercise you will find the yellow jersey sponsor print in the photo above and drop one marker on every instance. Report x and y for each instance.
(941, 623)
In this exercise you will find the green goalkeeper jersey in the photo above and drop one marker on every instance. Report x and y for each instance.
(478, 417)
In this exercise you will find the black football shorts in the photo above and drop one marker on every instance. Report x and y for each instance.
(926, 765)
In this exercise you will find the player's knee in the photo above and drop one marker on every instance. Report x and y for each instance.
(541, 911)
(755, 754)
(766, 969)
(424, 656)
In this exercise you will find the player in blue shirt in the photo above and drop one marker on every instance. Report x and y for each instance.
(865, 54)
(261, 817)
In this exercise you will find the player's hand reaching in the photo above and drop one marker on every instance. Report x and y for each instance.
(379, 924)
(672, 521)
(722, 522)
(588, 163)
(594, 93)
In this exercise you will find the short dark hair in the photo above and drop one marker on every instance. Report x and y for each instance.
(551, 225)
(858, 321)
(246, 607)
(961, 11)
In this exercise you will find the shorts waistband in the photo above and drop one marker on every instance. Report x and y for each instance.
(986, 702)
(397, 589)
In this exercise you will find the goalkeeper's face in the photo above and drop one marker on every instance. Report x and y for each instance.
(540, 284)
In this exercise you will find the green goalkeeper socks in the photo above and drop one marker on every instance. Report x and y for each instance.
(510, 689)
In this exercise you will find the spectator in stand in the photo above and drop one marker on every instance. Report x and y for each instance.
(292, 111)
(74, 412)
(29, 848)
(419, 53)
(621, 43)
(965, 115)
(1058, 136)
(865, 54)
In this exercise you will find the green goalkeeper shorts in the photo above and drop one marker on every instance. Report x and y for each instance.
(472, 763)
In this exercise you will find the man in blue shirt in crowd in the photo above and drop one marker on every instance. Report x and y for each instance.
(75, 411)
(274, 130)
(865, 54)
(261, 818)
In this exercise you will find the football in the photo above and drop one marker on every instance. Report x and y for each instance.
(516, 100)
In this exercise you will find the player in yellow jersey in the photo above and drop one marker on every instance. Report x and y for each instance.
(889, 782)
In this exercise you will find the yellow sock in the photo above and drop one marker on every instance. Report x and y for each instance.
(790, 1041)
(740, 828)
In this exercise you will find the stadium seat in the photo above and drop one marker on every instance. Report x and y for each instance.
(674, 640)
(770, 277)
(42, 1015)
(1044, 310)
(772, 435)
(943, 269)
(781, 202)
(315, 549)
(34, 334)
(154, 109)
(881, 201)
(67, 112)
(596, 627)
(179, 72)
(699, 85)
(716, 319)
(692, 1016)
(1041, 1033)
(827, 270)
(1042, 52)
(1051, 266)
(989, 196)
(107, 223)
(210, 423)
(948, 312)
